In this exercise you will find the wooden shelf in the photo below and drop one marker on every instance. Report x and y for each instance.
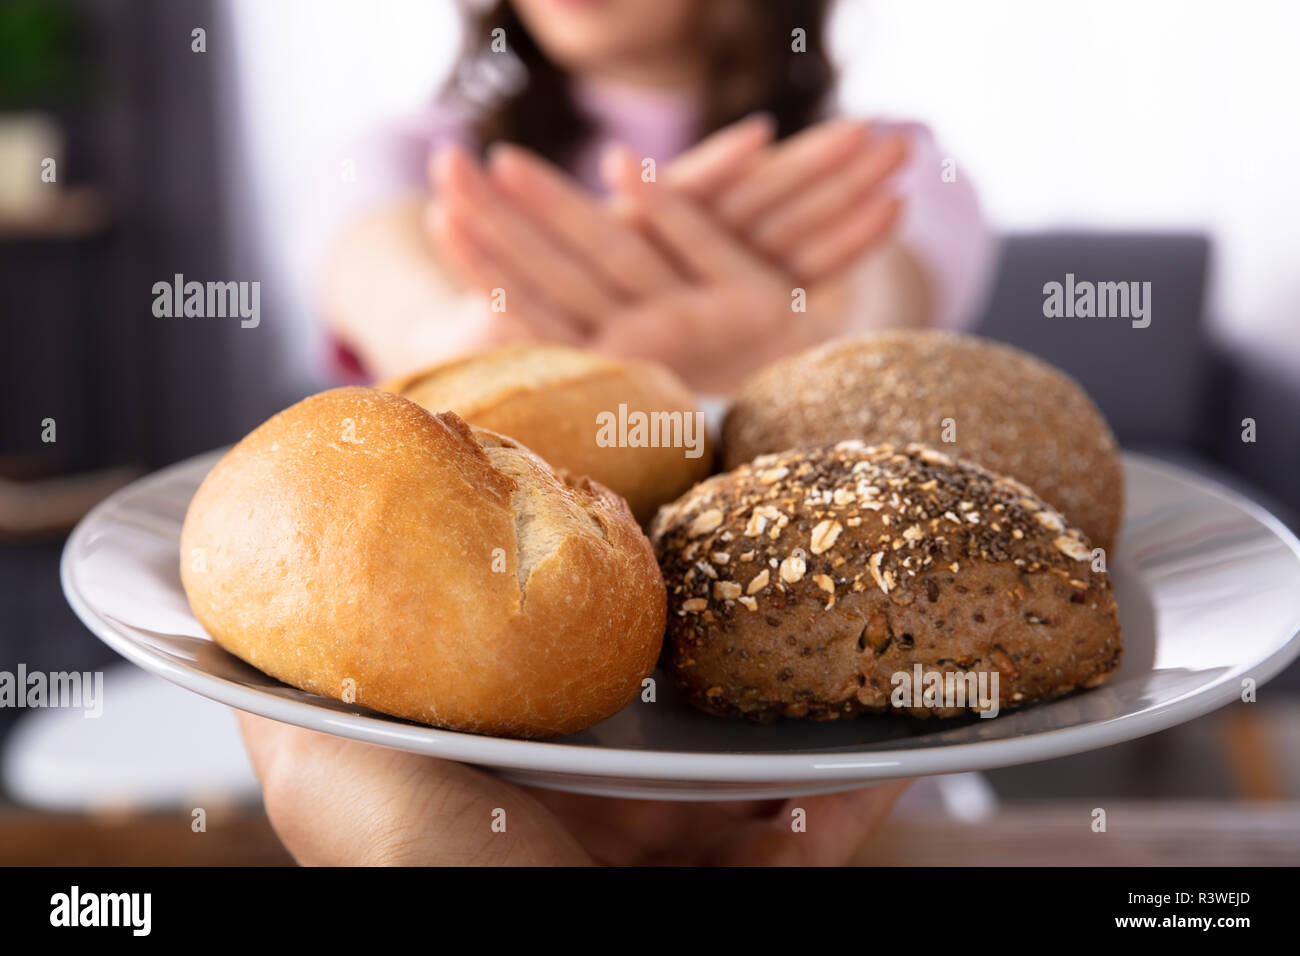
(70, 214)
(53, 505)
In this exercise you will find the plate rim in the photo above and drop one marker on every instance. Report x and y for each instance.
(586, 760)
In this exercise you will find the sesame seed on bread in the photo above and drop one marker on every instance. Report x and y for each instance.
(800, 582)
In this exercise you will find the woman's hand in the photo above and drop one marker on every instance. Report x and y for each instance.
(738, 255)
(562, 257)
(497, 245)
(812, 204)
(714, 334)
(339, 802)
(740, 311)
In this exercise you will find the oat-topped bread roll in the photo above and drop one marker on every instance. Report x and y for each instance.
(800, 584)
(357, 546)
(632, 426)
(1006, 410)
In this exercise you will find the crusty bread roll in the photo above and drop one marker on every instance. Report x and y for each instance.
(358, 546)
(800, 584)
(1006, 410)
(557, 400)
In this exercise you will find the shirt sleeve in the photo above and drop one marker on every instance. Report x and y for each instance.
(942, 226)
(386, 162)
(383, 165)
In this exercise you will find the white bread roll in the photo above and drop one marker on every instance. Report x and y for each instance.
(445, 574)
(553, 399)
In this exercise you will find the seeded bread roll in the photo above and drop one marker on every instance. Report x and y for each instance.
(355, 544)
(1006, 410)
(554, 400)
(800, 584)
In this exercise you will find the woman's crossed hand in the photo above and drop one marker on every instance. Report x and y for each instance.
(734, 254)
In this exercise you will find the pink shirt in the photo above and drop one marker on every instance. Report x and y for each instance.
(941, 221)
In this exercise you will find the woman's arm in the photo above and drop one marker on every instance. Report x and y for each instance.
(893, 289)
(387, 296)
(938, 265)
(402, 289)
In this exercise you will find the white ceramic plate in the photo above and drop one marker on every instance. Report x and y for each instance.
(1208, 587)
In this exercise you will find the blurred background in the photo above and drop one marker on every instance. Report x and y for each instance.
(1151, 141)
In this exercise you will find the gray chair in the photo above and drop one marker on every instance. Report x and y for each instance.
(1166, 389)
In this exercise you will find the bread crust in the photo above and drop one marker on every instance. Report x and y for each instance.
(1010, 412)
(801, 583)
(548, 397)
(448, 573)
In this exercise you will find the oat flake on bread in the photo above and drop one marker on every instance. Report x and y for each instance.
(800, 582)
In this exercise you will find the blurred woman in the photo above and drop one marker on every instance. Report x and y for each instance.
(659, 178)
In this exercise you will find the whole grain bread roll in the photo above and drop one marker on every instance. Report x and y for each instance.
(357, 546)
(1005, 410)
(560, 403)
(801, 584)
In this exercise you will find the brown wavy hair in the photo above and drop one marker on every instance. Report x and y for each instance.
(749, 66)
